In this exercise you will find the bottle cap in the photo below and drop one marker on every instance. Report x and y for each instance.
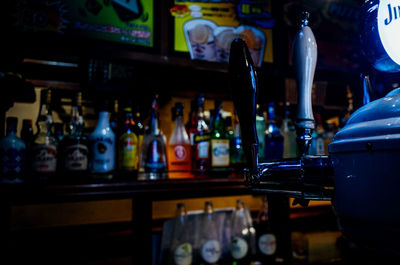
(27, 122)
(12, 120)
(177, 110)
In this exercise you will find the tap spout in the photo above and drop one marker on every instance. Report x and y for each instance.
(308, 178)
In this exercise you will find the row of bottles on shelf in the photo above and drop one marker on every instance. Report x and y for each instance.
(222, 236)
(123, 143)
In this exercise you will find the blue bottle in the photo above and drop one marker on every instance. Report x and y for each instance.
(12, 154)
(102, 145)
(273, 136)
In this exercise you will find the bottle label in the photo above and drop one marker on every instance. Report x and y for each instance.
(202, 150)
(211, 251)
(183, 254)
(128, 157)
(202, 143)
(155, 161)
(220, 152)
(76, 157)
(239, 248)
(267, 244)
(44, 158)
(12, 161)
(179, 157)
(103, 154)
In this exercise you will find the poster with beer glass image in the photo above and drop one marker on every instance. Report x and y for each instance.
(205, 29)
(210, 42)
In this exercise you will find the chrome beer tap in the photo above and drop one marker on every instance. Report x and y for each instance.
(306, 177)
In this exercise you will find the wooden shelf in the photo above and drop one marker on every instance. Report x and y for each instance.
(120, 187)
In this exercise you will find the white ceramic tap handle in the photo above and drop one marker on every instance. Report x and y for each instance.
(304, 62)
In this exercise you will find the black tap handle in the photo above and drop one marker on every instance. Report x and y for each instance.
(243, 78)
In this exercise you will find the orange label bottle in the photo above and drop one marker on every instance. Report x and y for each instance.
(179, 162)
(178, 148)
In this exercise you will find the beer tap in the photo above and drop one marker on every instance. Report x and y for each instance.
(304, 62)
(306, 177)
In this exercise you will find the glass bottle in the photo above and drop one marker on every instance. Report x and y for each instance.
(27, 136)
(44, 109)
(102, 142)
(153, 155)
(317, 146)
(139, 131)
(260, 127)
(209, 247)
(58, 131)
(242, 235)
(128, 143)
(114, 118)
(178, 148)
(236, 149)
(219, 142)
(74, 147)
(12, 153)
(44, 147)
(182, 242)
(201, 140)
(27, 132)
(288, 131)
(191, 125)
(266, 239)
(273, 136)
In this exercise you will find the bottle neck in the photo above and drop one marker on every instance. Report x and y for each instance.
(103, 120)
(11, 129)
(179, 122)
(154, 124)
(44, 127)
(75, 123)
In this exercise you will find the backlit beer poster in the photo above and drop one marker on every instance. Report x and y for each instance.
(124, 21)
(207, 28)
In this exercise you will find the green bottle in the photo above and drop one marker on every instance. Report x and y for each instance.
(219, 142)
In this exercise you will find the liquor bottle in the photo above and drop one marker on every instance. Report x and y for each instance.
(12, 153)
(74, 147)
(260, 127)
(44, 147)
(191, 125)
(242, 235)
(27, 136)
(219, 142)
(139, 131)
(328, 135)
(317, 146)
(114, 121)
(288, 131)
(181, 250)
(237, 158)
(27, 132)
(273, 136)
(58, 131)
(266, 239)
(128, 143)
(153, 154)
(44, 109)
(102, 145)
(201, 139)
(178, 148)
(209, 247)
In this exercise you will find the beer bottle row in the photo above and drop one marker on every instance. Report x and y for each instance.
(206, 143)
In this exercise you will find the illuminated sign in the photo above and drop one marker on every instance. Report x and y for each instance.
(389, 27)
